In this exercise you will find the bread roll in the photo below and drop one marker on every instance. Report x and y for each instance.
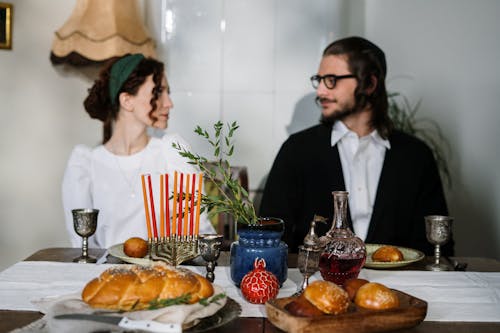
(303, 308)
(134, 287)
(387, 253)
(135, 247)
(352, 286)
(376, 296)
(327, 297)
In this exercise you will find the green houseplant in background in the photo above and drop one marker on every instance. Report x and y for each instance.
(404, 117)
(258, 237)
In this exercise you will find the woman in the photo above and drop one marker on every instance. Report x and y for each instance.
(130, 95)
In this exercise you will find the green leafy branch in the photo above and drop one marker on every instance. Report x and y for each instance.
(404, 118)
(232, 198)
(215, 299)
(158, 303)
(164, 302)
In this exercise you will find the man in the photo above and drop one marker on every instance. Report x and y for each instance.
(391, 177)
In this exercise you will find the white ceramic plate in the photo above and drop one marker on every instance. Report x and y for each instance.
(410, 256)
(117, 251)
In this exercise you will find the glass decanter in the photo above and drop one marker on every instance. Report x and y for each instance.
(343, 252)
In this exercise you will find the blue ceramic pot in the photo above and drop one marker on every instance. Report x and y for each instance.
(261, 240)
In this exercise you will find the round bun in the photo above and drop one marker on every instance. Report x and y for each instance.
(133, 287)
(352, 286)
(376, 296)
(387, 253)
(303, 308)
(327, 296)
(135, 247)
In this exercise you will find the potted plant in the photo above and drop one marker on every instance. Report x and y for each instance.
(404, 117)
(258, 236)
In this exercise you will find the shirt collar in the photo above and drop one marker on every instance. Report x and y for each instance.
(339, 130)
(379, 141)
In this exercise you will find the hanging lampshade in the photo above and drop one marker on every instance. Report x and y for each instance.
(98, 30)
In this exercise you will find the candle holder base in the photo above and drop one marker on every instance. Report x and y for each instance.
(173, 250)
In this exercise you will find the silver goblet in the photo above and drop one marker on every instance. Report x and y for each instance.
(85, 224)
(438, 232)
(308, 264)
(210, 250)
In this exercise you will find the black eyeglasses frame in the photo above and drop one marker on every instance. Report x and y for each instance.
(330, 80)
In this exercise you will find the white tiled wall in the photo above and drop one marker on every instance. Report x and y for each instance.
(247, 61)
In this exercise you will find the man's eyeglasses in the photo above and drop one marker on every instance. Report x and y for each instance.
(330, 80)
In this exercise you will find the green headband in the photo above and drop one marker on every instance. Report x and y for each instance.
(120, 71)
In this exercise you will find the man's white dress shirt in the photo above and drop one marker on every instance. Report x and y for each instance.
(362, 160)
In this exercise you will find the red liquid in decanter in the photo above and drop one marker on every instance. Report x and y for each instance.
(343, 252)
(338, 270)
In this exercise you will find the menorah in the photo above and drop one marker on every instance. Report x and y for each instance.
(177, 240)
(173, 250)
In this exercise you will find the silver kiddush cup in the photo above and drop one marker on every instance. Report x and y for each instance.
(209, 246)
(85, 225)
(438, 232)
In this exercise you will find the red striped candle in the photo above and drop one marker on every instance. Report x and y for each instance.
(198, 205)
(162, 209)
(152, 202)
(186, 207)
(146, 209)
(179, 215)
(191, 210)
(174, 206)
(167, 205)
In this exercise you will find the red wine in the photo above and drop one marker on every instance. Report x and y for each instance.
(338, 270)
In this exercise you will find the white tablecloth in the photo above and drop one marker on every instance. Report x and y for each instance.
(451, 296)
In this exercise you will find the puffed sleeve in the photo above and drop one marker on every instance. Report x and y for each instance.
(76, 188)
(181, 164)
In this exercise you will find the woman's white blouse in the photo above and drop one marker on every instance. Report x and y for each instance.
(96, 178)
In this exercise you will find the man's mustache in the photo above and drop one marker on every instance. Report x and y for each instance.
(318, 100)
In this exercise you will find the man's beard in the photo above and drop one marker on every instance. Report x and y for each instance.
(337, 115)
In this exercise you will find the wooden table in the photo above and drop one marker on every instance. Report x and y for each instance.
(10, 320)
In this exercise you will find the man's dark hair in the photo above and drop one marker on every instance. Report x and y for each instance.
(365, 60)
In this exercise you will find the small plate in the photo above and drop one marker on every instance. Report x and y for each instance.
(410, 256)
(117, 251)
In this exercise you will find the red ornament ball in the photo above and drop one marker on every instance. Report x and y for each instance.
(259, 285)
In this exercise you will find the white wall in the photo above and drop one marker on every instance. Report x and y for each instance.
(256, 72)
(42, 118)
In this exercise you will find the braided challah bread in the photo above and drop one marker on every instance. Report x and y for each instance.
(135, 287)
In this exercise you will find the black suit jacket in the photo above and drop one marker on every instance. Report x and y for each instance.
(307, 169)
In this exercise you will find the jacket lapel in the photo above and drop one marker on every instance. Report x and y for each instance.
(383, 190)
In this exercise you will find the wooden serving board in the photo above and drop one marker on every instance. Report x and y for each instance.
(410, 312)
